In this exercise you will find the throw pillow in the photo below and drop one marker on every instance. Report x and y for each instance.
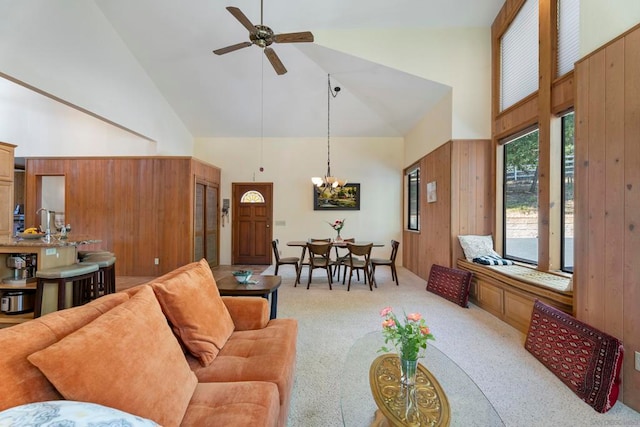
(63, 413)
(477, 246)
(191, 301)
(126, 359)
(586, 360)
(450, 283)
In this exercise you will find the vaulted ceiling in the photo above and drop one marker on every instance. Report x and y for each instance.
(240, 95)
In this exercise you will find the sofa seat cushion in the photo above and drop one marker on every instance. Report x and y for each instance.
(127, 359)
(249, 403)
(191, 301)
(20, 381)
(267, 354)
(585, 359)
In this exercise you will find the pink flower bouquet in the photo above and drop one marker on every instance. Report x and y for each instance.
(409, 337)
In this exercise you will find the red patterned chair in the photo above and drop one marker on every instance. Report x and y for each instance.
(585, 359)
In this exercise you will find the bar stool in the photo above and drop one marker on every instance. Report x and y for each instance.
(80, 275)
(106, 276)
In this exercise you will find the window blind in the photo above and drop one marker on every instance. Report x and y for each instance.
(519, 56)
(568, 35)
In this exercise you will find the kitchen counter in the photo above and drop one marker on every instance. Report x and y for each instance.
(56, 253)
(71, 240)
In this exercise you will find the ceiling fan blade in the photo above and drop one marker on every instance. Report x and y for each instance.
(301, 37)
(231, 48)
(237, 13)
(275, 61)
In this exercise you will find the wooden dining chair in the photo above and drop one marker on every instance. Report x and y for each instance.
(391, 262)
(340, 260)
(293, 260)
(320, 257)
(305, 261)
(356, 264)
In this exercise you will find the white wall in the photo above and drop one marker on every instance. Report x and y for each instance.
(460, 58)
(40, 126)
(375, 163)
(430, 133)
(601, 21)
(68, 49)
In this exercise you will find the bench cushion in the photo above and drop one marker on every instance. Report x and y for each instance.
(450, 283)
(587, 360)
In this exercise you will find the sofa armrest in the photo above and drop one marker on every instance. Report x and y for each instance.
(248, 312)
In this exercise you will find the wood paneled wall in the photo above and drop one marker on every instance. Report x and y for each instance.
(461, 170)
(607, 194)
(141, 208)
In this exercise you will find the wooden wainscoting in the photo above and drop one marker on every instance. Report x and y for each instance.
(510, 298)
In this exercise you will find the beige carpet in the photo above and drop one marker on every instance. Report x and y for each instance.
(523, 392)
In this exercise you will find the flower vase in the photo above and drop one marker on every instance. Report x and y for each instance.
(408, 371)
(338, 239)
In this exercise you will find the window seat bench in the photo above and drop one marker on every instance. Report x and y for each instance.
(509, 292)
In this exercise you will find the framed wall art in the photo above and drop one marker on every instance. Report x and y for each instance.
(345, 198)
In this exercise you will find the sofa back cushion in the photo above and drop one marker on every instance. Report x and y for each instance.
(20, 381)
(126, 359)
(191, 301)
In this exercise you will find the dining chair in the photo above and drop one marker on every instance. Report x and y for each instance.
(320, 257)
(305, 261)
(293, 260)
(356, 264)
(391, 262)
(340, 260)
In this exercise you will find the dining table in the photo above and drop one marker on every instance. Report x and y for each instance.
(336, 243)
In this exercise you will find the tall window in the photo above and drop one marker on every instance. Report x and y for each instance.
(568, 24)
(520, 208)
(413, 197)
(567, 191)
(519, 56)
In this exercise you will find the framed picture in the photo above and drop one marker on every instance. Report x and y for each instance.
(345, 198)
(431, 192)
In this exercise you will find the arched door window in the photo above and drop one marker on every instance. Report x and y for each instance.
(252, 196)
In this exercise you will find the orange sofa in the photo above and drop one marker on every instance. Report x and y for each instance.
(171, 350)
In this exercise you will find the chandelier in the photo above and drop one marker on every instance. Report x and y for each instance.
(329, 181)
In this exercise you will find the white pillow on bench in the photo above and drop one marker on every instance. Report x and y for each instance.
(477, 246)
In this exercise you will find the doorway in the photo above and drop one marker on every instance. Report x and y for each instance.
(205, 229)
(252, 213)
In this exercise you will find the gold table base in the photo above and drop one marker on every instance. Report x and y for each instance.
(424, 404)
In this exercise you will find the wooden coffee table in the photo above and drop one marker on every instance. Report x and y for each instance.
(267, 285)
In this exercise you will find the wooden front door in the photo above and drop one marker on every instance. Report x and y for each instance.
(252, 212)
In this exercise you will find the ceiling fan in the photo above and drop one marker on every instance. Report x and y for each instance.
(263, 36)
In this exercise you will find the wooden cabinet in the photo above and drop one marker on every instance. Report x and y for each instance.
(6, 189)
(142, 208)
